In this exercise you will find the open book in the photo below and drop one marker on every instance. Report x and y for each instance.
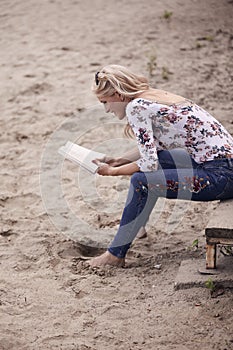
(81, 156)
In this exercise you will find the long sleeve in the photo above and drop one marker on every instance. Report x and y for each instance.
(157, 127)
(140, 119)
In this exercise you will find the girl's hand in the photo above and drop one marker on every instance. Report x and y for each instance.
(114, 162)
(104, 169)
(108, 170)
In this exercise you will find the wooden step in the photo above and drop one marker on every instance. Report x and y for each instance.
(219, 231)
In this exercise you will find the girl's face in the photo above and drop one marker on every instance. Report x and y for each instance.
(115, 105)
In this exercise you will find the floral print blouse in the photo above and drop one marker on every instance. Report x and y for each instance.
(188, 126)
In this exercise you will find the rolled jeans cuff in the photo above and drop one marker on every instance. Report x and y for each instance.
(119, 252)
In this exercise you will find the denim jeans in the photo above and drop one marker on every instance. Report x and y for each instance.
(178, 177)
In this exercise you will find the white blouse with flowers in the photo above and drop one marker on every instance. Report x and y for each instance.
(162, 127)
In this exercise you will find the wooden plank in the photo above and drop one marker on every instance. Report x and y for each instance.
(220, 224)
(215, 240)
(211, 256)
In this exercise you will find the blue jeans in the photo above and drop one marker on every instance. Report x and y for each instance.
(178, 177)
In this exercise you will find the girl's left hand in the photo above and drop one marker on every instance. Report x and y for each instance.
(108, 170)
(105, 169)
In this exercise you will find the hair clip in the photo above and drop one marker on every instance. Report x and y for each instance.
(96, 78)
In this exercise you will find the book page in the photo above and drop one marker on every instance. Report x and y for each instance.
(81, 156)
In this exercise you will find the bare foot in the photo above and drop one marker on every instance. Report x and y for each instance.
(106, 259)
(142, 233)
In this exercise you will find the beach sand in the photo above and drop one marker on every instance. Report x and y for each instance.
(54, 216)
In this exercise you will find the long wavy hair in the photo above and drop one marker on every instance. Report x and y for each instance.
(115, 78)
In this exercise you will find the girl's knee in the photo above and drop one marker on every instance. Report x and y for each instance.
(138, 181)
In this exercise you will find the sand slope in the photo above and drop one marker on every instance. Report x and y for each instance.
(52, 215)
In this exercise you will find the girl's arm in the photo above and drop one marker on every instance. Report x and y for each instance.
(140, 115)
(127, 169)
(126, 158)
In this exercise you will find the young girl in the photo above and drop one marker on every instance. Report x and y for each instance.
(183, 152)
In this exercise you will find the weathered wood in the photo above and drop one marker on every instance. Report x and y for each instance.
(220, 240)
(219, 231)
(221, 221)
(211, 256)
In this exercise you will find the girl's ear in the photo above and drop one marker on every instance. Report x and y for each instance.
(118, 96)
(122, 98)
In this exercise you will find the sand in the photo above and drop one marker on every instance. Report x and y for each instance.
(54, 216)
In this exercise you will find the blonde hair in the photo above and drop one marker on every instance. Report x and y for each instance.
(113, 79)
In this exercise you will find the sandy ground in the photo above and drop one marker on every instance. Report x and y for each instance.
(53, 215)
